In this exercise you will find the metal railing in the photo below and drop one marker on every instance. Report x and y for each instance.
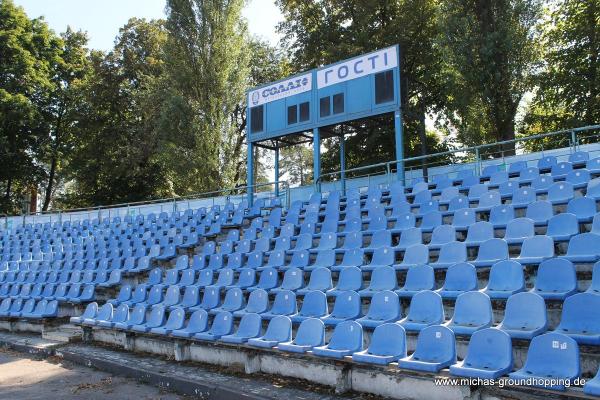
(280, 189)
(474, 156)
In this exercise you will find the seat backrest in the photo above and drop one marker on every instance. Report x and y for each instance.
(247, 277)
(561, 169)
(320, 279)
(435, 344)
(250, 326)
(157, 316)
(525, 309)
(555, 274)
(517, 167)
(583, 207)
(472, 308)
(426, 306)
(506, 275)
(311, 332)
(501, 215)
(442, 234)
(347, 335)
(198, 321)
(258, 301)
(173, 295)
(462, 277)
(384, 305)
(119, 314)
(301, 258)
(476, 191)
(493, 249)
(560, 191)
(538, 246)
(490, 199)
(458, 202)
(327, 241)
(539, 211)
(520, 228)
(383, 278)
(234, 299)
(383, 256)
(137, 315)
(222, 324)
(353, 257)
(581, 313)
(431, 219)
(381, 238)
(417, 254)
(206, 278)
(564, 223)
(225, 278)
(455, 252)
(293, 279)
(176, 319)
(411, 236)
(489, 349)
(529, 174)
(420, 277)
(585, 243)
(595, 285)
(279, 329)
(284, 303)
(553, 355)
(211, 298)
(388, 340)
(547, 162)
(405, 221)
(347, 305)
(314, 304)
(350, 278)
(268, 278)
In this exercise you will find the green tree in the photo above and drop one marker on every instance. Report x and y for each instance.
(492, 51)
(28, 51)
(568, 85)
(208, 63)
(296, 164)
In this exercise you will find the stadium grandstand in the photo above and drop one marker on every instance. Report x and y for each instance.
(488, 269)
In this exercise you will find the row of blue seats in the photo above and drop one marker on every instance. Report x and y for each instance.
(489, 353)
(19, 289)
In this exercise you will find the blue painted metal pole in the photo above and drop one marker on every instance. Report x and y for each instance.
(316, 156)
(399, 144)
(250, 171)
(277, 171)
(343, 162)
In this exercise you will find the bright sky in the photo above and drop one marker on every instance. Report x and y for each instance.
(103, 18)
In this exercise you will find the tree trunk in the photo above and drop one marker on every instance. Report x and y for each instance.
(423, 140)
(50, 186)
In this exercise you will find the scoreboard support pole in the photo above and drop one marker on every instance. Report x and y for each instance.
(250, 173)
(399, 145)
(316, 155)
(277, 170)
(343, 162)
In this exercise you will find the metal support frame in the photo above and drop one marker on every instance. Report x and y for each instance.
(343, 160)
(250, 172)
(316, 154)
(277, 170)
(398, 130)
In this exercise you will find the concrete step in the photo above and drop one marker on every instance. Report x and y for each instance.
(63, 334)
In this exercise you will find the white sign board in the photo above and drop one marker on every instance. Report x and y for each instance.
(358, 67)
(280, 90)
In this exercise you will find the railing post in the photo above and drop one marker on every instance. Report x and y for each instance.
(477, 161)
(574, 140)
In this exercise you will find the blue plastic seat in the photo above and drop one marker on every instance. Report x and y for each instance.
(382, 257)
(479, 232)
(258, 302)
(430, 220)
(490, 252)
(489, 355)
(404, 221)
(579, 158)
(536, 249)
(584, 247)
(442, 235)
(246, 278)
(380, 238)
(506, 278)
(382, 278)
(518, 230)
(352, 240)
(137, 316)
(476, 191)
(388, 344)
(522, 197)
(320, 279)
(429, 207)
(198, 322)
(490, 170)
(551, 355)
(584, 208)
(516, 167)
(460, 278)
(175, 321)
(351, 258)
(488, 200)
(459, 202)
(448, 194)
(415, 255)
(524, 316)
(327, 241)
(222, 325)
(410, 237)
(89, 313)
(502, 215)
(580, 318)
(450, 254)
(311, 333)
(560, 170)
(546, 163)
(173, 296)
(234, 301)
(529, 174)
(498, 178)
(562, 227)
(206, 278)
(472, 312)
(155, 320)
(293, 279)
(250, 327)
(108, 317)
(268, 280)
(434, 351)
(347, 306)
(540, 212)
(560, 193)
(542, 184)
(275, 260)
(426, 308)
(579, 178)
(507, 189)
(555, 279)
(314, 305)
(279, 330)
(595, 285)
(418, 278)
(211, 298)
(384, 307)
(592, 386)
(349, 279)
(284, 304)
(347, 339)
(464, 218)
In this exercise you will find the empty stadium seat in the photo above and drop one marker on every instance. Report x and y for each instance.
(551, 355)
(314, 305)
(279, 330)
(506, 278)
(584, 208)
(472, 312)
(479, 232)
(384, 307)
(536, 249)
(562, 227)
(426, 308)
(490, 252)
(580, 318)
(501, 215)
(197, 322)
(489, 355)
(460, 278)
(388, 343)
(310, 333)
(415, 255)
(524, 316)
(592, 386)
(234, 300)
(347, 306)
(284, 304)
(175, 321)
(418, 278)
(222, 325)
(518, 230)
(595, 284)
(450, 254)
(258, 302)
(347, 338)
(434, 351)
(555, 279)
(293, 279)
(382, 278)
(584, 247)
(540, 212)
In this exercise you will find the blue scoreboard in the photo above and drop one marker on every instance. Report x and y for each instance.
(360, 87)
